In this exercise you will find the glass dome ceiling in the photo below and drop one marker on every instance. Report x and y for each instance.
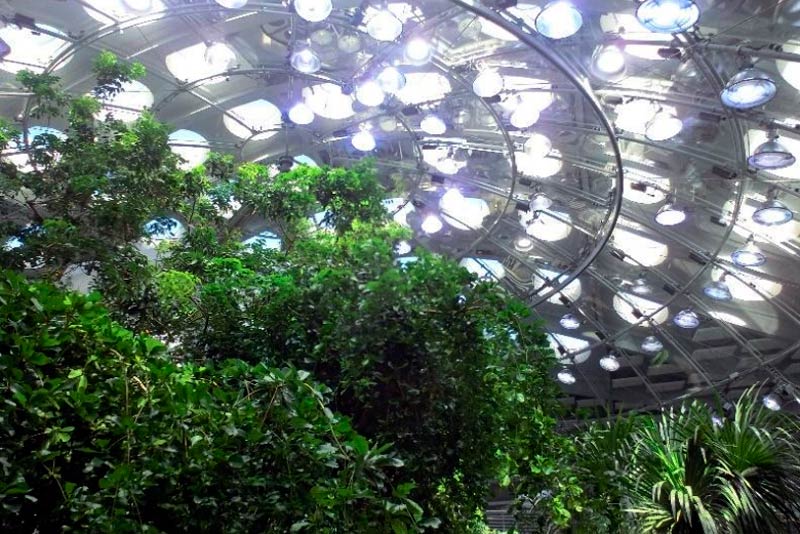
(597, 151)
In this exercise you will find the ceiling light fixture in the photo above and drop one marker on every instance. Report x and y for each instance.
(232, 4)
(523, 244)
(664, 125)
(686, 319)
(391, 80)
(565, 376)
(652, 345)
(363, 141)
(772, 213)
(668, 16)
(349, 42)
(609, 362)
(433, 125)
(749, 88)
(304, 60)
(540, 202)
(558, 20)
(718, 290)
(570, 321)
(488, 83)
(384, 26)
(301, 114)
(432, 224)
(313, 10)
(418, 51)
(670, 215)
(772, 402)
(608, 62)
(749, 255)
(370, 93)
(771, 155)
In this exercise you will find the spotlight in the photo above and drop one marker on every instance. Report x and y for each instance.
(668, 16)
(686, 319)
(652, 345)
(608, 62)
(565, 376)
(771, 155)
(670, 215)
(488, 83)
(301, 114)
(304, 60)
(418, 51)
(772, 213)
(570, 322)
(313, 10)
(523, 244)
(391, 80)
(609, 362)
(748, 256)
(749, 88)
(431, 224)
(718, 291)
(370, 93)
(384, 26)
(363, 141)
(540, 202)
(349, 42)
(664, 125)
(558, 20)
(232, 4)
(771, 402)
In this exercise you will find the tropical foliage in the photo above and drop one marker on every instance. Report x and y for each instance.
(302, 377)
(688, 470)
(103, 432)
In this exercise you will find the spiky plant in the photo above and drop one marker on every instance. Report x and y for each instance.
(688, 475)
(757, 468)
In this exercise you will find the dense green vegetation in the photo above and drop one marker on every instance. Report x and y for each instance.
(322, 387)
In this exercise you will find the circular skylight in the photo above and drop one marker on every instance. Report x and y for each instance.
(256, 116)
(627, 304)
(577, 348)
(267, 240)
(199, 61)
(571, 291)
(32, 51)
(127, 105)
(748, 287)
(548, 225)
(16, 152)
(640, 250)
(189, 145)
(484, 268)
(111, 11)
